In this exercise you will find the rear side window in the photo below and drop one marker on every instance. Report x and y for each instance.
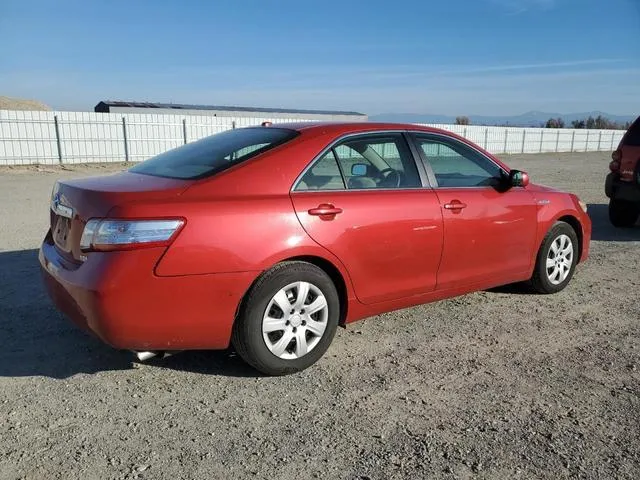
(632, 137)
(324, 175)
(363, 162)
(378, 162)
(213, 154)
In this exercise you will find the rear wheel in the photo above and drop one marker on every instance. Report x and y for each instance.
(623, 213)
(288, 319)
(556, 260)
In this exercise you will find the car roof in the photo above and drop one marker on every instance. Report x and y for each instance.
(337, 129)
(349, 127)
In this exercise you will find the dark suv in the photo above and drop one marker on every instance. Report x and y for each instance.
(622, 185)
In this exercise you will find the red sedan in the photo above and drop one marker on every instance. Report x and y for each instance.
(269, 237)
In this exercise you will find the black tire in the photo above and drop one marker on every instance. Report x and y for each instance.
(623, 214)
(540, 281)
(247, 337)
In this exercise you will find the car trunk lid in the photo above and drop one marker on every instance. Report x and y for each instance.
(74, 202)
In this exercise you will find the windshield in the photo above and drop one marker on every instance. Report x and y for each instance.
(213, 154)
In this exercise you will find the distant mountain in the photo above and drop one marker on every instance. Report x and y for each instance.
(529, 119)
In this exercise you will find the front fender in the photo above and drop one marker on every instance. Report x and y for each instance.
(565, 209)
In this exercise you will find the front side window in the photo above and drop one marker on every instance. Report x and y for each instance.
(213, 154)
(455, 164)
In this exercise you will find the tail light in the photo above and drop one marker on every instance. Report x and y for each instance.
(616, 156)
(614, 166)
(111, 234)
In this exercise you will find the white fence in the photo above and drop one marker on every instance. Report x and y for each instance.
(28, 137)
(537, 140)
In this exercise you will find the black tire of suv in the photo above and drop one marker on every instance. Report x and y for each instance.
(623, 214)
(247, 336)
(539, 281)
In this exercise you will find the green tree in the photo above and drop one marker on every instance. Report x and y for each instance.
(601, 123)
(555, 123)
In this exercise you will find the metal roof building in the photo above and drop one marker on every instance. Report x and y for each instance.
(108, 106)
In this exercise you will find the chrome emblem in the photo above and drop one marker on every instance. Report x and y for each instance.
(61, 209)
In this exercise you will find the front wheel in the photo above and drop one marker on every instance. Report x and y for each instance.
(556, 260)
(622, 213)
(288, 319)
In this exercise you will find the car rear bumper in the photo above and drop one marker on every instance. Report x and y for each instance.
(619, 190)
(117, 297)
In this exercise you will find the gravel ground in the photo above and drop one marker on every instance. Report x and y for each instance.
(495, 384)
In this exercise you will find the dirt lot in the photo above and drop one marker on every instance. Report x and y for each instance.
(489, 385)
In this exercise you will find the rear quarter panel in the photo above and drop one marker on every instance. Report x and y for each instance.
(230, 235)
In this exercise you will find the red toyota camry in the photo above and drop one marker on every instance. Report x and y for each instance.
(269, 237)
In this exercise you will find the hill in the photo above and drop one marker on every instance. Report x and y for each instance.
(8, 103)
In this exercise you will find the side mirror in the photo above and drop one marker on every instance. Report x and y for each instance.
(518, 178)
(358, 169)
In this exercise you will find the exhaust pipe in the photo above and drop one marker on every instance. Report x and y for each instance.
(144, 356)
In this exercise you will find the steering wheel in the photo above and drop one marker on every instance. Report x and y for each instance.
(391, 172)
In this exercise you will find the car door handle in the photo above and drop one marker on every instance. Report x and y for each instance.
(455, 205)
(325, 209)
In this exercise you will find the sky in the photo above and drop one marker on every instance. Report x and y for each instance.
(457, 57)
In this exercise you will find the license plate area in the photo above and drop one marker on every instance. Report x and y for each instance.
(61, 232)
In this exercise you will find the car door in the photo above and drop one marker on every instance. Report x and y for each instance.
(489, 229)
(363, 199)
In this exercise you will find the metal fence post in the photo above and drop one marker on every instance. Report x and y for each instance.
(126, 143)
(573, 139)
(586, 148)
(233, 124)
(506, 135)
(184, 129)
(613, 136)
(58, 143)
(599, 140)
(541, 140)
(524, 136)
(486, 138)
(464, 132)
(557, 140)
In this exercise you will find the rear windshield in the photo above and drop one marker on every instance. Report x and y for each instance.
(632, 137)
(215, 153)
